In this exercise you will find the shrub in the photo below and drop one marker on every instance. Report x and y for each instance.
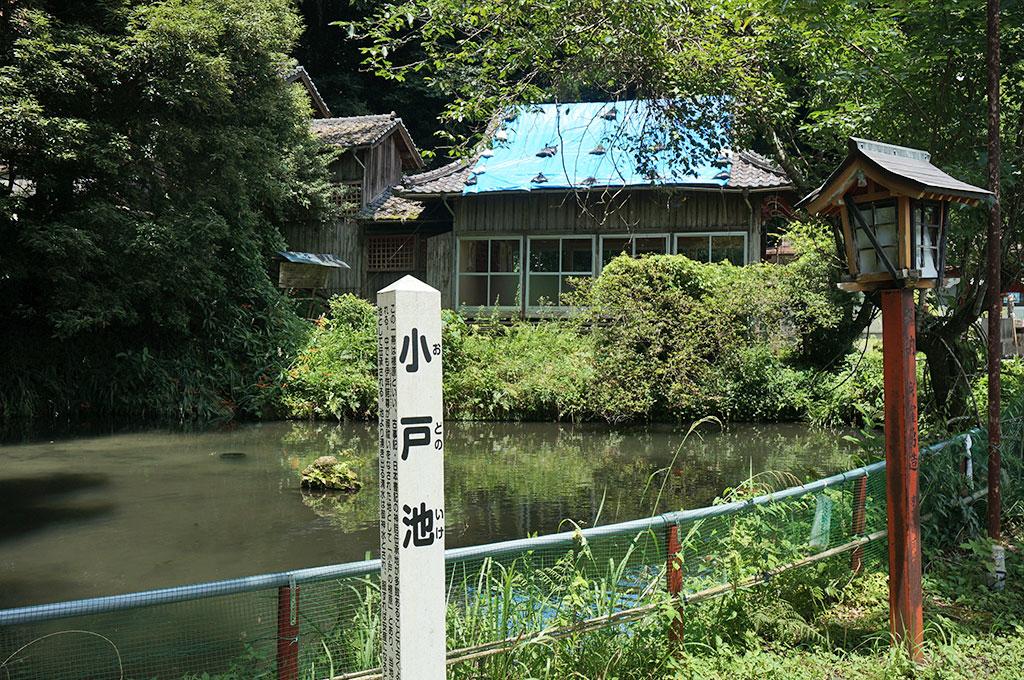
(852, 394)
(1011, 375)
(335, 375)
(675, 339)
(523, 371)
(658, 338)
(518, 372)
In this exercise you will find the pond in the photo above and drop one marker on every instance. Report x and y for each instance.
(101, 515)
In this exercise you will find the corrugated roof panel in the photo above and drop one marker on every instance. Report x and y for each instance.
(320, 259)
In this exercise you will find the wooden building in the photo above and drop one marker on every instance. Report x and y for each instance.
(377, 151)
(559, 192)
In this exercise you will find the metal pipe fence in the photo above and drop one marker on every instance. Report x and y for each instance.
(322, 622)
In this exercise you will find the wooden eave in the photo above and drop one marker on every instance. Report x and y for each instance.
(830, 196)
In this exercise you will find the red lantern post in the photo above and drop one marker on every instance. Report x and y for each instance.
(901, 455)
(890, 208)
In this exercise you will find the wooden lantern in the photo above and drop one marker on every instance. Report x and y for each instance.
(890, 206)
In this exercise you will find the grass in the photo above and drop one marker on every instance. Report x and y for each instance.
(971, 632)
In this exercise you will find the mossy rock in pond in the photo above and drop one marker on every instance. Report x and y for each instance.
(327, 473)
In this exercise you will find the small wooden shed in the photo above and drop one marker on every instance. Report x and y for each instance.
(305, 271)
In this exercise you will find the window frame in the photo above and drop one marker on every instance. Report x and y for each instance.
(409, 240)
(352, 188)
(870, 209)
(560, 272)
(919, 228)
(459, 274)
(709, 235)
(599, 263)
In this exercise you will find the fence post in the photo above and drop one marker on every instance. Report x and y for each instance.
(860, 496)
(674, 579)
(287, 633)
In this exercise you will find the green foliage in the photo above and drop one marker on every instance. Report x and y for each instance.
(1011, 375)
(521, 372)
(853, 393)
(658, 338)
(327, 473)
(799, 78)
(677, 339)
(151, 153)
(336, 374)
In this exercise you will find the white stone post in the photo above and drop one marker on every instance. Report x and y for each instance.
(412, 579)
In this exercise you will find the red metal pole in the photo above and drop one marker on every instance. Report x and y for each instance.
(860, 496)
(901, 479)
(674, 579)
(287, 634)
(994, 256)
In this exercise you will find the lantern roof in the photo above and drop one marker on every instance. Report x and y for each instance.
(901, 169)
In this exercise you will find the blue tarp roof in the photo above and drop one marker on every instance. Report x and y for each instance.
(595, 144)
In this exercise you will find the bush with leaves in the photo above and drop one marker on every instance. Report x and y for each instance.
(676, 339)
(335, 375)
(660, 338)
(492, 371)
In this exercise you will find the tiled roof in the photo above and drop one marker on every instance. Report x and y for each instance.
(448, 179)
(387, 207)
(355, 130)
(750, 170)
(300, 75)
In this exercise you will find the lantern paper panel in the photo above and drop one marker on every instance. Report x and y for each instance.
(881, 218)
(927, 232)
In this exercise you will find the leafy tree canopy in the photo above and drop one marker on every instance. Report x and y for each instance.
(801, 77)
(149, 153)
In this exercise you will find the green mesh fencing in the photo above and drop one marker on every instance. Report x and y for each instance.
(322, 623)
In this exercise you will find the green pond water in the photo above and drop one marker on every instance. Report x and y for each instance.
(100, 515)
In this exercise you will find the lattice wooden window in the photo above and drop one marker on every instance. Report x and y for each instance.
(349, 198)
(394, 253)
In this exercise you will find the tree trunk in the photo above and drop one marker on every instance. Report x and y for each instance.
(949, 362)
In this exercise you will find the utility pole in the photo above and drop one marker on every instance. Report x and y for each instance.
(995, 299)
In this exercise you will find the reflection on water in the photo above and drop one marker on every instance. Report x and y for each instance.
(101, 515)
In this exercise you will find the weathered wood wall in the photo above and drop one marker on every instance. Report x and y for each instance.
(348, 167)
(650, 211)
(379, 167)
(341, 239)
(440, 265)
(383, 167)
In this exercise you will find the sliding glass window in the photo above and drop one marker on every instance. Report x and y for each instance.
(490, 272)
(552, 264)
(635, 245)
(721, 246)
